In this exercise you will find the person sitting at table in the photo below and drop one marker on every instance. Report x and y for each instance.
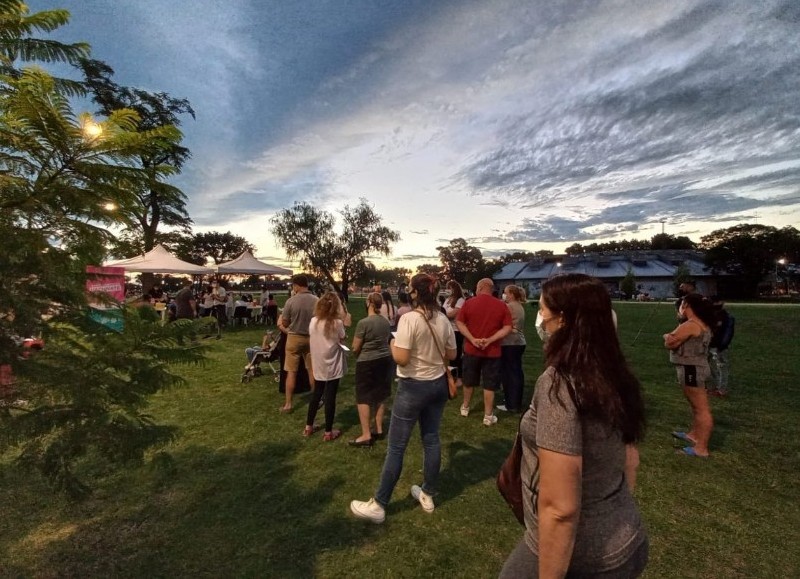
(269, 312)
(241, 309)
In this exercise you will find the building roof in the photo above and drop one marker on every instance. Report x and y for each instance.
(643, 264)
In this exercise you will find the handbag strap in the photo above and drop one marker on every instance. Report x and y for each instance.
(435, 339)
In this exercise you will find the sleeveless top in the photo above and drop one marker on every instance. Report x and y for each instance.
(694, 351)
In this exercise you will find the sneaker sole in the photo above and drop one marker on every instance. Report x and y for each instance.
(424, 508)
(364, 517)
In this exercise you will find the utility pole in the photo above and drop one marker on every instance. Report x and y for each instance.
(662, 226)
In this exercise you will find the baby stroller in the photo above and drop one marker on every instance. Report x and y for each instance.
(269, 355)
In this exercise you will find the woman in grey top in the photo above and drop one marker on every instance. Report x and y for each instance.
(579, 445)
(373, 369)
(513, 347)
(688, 351)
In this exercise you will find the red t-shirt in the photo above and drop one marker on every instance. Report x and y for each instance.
(484, 315)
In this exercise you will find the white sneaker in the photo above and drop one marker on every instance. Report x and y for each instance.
(369, 510)
(502, 407)
(489, 420)
(464, 410)
(423, 498)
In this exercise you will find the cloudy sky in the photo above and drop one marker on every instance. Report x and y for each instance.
(517, 125)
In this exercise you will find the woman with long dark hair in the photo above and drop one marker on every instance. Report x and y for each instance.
(513, 347)
(688, 350)
(579, 444)
(424, 339)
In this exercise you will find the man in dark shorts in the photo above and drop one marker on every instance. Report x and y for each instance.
(294, 321)
(483, 321)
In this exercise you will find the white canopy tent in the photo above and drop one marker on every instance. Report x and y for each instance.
(247, 264)
(159, 260)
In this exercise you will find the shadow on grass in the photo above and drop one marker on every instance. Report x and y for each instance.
(209, 513)
(468, 465)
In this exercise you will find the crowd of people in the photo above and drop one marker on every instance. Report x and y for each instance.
(579, 432)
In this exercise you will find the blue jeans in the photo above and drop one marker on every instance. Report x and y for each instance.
(512, 376)
(416, 400)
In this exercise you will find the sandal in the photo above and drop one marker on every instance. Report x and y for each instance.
(689, 451)
(683, 436)
(309, 430)
(332, 435)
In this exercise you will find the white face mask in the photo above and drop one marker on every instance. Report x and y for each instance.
(544, 335)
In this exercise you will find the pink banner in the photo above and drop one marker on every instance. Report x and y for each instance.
(108, 280)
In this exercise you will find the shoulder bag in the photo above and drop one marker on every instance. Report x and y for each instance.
(509, 479)
(452, 389)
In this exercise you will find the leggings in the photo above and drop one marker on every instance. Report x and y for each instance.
(329, 390)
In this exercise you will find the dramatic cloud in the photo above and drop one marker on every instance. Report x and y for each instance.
(505, 122)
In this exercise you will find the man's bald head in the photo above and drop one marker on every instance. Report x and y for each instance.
(485, 286)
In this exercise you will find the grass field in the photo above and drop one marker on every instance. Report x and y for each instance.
(242, 494)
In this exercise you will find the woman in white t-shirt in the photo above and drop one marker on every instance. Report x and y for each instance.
(328, 362)
(424, 338)
(452, 306)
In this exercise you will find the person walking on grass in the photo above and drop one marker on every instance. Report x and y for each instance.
(328, 360)
(483, 321)
(688, 351)
(424, 339)
(373, 370)
(512, 349)
(294, 322)
(579, 441)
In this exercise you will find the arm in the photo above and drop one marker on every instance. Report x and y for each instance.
(559, 507)
(498, 335)
(679, 335)
(462, 327)
(265, 341)
(401, 355)
(631, 465)
(357, 344)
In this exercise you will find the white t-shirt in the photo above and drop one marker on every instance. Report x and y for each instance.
(328, 360)
(426, 358)
(448, 308)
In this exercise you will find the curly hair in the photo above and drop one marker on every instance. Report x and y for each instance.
(586, 355)
(517, 292)
(327, 311)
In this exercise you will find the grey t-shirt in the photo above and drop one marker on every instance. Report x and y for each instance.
(609, 528)
(298, 311)
(516, 337)
(374, 330)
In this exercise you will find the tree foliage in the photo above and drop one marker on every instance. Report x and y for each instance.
(750, 251)
(213, 245)
(461, 262)
(628, 283)
(86, 391)
(309, 233)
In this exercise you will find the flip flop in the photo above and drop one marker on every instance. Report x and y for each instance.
(689, 451)
(683, 436)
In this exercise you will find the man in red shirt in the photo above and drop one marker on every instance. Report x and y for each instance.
(483, 321)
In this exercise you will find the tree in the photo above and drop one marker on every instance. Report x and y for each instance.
(430, 269)
(667, 241)
(682, 275)
(309, 233)
(628, 284)
(219, 247)
(750, 251)
(461, 262)
(158, 203)
(86, 391)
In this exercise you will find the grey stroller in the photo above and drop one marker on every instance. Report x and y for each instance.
(269, 355)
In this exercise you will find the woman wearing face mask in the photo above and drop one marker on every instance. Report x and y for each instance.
(688, 345)
(513, 347)
(579, 444)
(373, 367)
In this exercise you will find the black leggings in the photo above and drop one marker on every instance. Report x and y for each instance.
(329, 390)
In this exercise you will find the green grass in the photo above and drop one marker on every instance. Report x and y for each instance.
(241, 493)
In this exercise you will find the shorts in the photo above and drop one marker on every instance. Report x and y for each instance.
(297, 346)
(693, 376)
(480, 371)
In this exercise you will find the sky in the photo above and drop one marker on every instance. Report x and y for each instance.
(516, 125)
